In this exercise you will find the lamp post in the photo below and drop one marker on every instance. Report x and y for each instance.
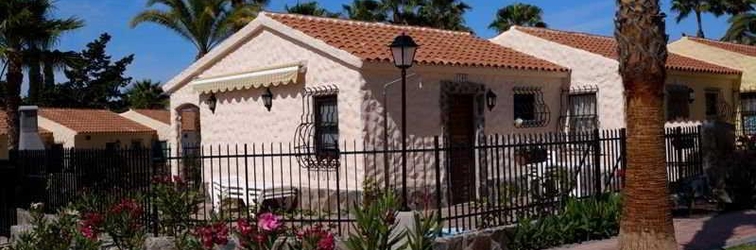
(403, 50)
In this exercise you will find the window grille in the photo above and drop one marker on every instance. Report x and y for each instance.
(583, 112)
(316, 139)
(530, 107)
(748, 112)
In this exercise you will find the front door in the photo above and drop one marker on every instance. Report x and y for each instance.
(461, 131)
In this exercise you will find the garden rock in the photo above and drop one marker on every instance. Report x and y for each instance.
(159, 243)
(18, 230)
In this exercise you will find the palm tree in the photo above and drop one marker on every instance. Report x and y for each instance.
(365, 10)
(205, 23)
(249, 8)
(742, 29)
(25, 27)
(518, 14)
(310, 9)
(146, 94)
(444, 14)
(736, 7)
(642, 42)
(686, 7)
(402, 11)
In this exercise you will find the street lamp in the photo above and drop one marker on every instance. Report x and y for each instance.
(403, 50)
(268, 99)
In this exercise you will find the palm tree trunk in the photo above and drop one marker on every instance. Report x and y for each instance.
(49, 74)
(35, 78)
(15, 77)
(700, 32)
(646, 216)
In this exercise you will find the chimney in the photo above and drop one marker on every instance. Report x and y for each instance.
(29, 132)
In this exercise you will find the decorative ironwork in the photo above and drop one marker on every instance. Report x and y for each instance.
(748, 113)
(305, 142)
(581, 111)
(530, 110)
(717, 108)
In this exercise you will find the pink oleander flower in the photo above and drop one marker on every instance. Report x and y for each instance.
(327, 243)
(268, 222)
(88, 232)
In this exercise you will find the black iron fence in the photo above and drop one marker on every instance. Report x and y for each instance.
(495, 181)
(7, 194)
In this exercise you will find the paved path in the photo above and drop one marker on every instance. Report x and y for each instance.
(700, 233)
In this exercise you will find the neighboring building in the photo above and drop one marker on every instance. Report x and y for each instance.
(156, 119)
(94, 128)
(46, 136)
(695, 91)
(327, 78)
(736, 56)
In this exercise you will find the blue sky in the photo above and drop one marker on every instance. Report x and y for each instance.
(160, 54)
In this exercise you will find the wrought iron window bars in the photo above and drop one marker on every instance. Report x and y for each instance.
(530, 110)
(316, 137)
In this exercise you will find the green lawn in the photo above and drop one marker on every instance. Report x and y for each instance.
(744, 247)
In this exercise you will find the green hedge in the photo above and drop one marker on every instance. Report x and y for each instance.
(581, 220)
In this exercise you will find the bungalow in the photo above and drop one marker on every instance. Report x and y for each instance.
(736, 56)
(94, 128)
(695, 90)
(342, 72)
(317, 82)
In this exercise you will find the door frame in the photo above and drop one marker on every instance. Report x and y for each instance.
(447, 91)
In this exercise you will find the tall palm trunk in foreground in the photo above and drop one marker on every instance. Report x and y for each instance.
(646, 215)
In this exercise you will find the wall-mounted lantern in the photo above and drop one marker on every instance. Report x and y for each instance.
(212, 102)
(691, 95)
(490, 99)
(268, 99)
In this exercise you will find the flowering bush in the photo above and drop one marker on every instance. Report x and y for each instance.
(314, 238)
(176, 201)
(260, 234)
(212, 235)
(67, 232)
(123, 223)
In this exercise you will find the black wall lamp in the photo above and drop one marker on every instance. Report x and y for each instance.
(268, 99)
(490, 99)
(212, 102)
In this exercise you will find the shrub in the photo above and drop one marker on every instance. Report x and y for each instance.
(581, 220)
(176, 202)
(376, 224)
(67, 232)
(315, 237)
(740, 181)
(425, 230)
(259, 234)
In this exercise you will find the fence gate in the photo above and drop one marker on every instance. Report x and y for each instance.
(7, 204)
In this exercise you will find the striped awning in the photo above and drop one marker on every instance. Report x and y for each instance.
(261, 78)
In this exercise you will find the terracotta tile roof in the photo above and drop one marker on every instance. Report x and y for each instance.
(734, 47)
(607, 46)
(4, 125)
(93, 121)
(369, 41)
(160, 115)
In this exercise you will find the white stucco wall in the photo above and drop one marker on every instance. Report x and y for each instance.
(593, 69)
(588, 69)
(163, 130)
(61, 134)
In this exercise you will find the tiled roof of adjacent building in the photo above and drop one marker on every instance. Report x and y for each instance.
(160, 115)
(734, 47)
(92, 121)
(369, 41)
(607, 46)
(4, 125)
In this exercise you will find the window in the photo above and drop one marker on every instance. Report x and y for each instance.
(524, 107)
(678, 102)
(748, 112)
(583, 112)
(712, 101)
(136, 144)
(326, 127)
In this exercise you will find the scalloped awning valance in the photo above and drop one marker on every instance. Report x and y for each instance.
(261, 78)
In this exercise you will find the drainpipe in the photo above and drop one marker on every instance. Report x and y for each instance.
(385, 126)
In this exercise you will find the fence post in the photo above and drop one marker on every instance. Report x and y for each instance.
(437, 156)
(597, 161)
(623, 154)
(699, 149)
